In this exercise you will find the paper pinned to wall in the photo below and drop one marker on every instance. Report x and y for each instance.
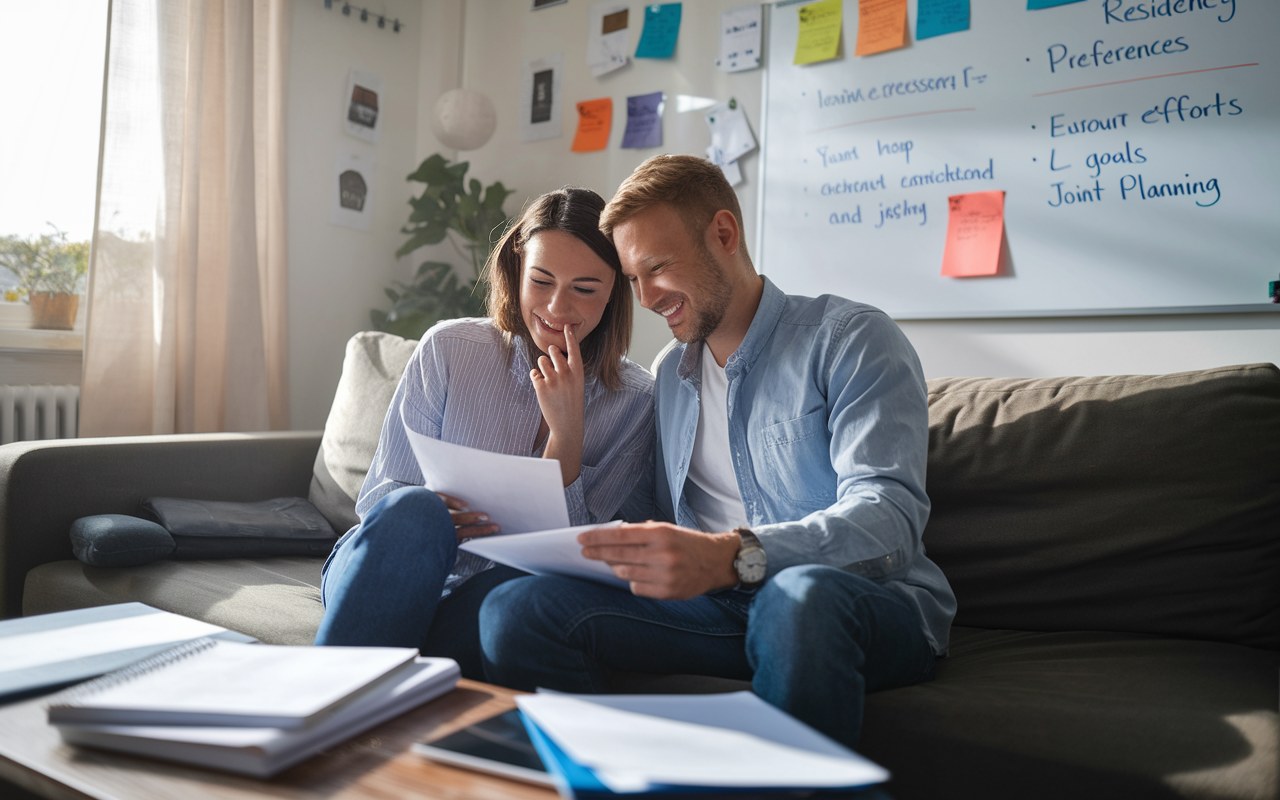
(661, 29)
(732, 172)
(608, 36)
(939, 17)
(351, 203)
(731, 136)
(644, 121)
(540, 85)
(975, 230)
(361, 110)
(819, 35)
(882, 25)
(740, 32)
(595, 118)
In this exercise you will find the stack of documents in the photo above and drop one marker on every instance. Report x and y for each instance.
(251, 709)
(606, 745)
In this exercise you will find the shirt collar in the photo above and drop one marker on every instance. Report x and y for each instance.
(772, 302)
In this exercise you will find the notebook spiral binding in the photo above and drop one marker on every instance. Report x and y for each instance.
(162, 659)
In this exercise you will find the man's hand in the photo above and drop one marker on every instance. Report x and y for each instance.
(558, 381)
(664, 561)
(469, 524)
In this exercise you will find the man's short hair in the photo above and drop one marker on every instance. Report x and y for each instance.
(693, 186)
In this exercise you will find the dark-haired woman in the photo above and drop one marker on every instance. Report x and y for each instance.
(544, 375)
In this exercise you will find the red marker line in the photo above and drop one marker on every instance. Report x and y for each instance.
(1151, 78)
(897, 116)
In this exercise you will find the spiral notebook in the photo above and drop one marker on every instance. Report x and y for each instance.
(208, 682)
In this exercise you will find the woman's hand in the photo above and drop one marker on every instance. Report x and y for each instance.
(558, 381)
(469, 524)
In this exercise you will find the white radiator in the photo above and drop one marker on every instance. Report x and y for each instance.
(38, 412)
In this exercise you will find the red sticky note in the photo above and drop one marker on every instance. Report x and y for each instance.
(882, 25)
(595, 117)
(974, 231)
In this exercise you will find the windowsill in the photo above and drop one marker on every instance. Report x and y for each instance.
(16, 332)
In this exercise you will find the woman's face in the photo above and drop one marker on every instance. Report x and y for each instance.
(562, 283)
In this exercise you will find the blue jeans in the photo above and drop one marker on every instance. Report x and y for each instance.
(813, 641)
(382, 586)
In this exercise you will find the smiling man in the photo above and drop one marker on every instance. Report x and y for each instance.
(782, 532)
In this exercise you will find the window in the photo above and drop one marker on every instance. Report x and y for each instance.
(52, 55)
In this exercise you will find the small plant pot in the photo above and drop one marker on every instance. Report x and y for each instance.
(54, 310)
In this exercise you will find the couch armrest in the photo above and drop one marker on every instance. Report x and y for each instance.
(47, 485)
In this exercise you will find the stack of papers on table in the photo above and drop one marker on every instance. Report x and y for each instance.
(604, 745)
(252, 709)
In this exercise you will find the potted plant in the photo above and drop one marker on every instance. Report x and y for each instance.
(470, 216)
(50, 272)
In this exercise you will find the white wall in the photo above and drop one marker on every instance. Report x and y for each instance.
(337, 274)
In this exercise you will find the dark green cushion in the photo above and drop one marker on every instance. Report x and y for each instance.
(116, 540)
(1073, 715)
(1138, 503)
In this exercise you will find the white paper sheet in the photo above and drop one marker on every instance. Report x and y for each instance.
(351, 198)
(740, 39)
(540, 89)
(732, 172)
(731, 135)
(547, 553)
(109, 636)
(519, 494)
(633, 742)
(362, 107)
(607, 51)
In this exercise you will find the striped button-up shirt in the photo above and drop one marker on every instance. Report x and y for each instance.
(466, 386)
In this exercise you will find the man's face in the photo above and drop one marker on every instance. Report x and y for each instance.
(672, 273)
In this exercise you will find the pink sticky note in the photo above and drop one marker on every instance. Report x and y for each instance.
(974, 231)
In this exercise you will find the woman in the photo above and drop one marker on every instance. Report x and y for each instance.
(543, 375)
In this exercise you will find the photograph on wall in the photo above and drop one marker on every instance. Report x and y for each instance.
(608, 36)
(541, 82)
(362, 106)
(352, 188)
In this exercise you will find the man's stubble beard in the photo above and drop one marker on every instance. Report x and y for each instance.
(714, 301)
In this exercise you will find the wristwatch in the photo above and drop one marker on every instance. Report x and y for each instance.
(751, 562)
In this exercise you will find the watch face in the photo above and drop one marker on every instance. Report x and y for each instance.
(751, 565)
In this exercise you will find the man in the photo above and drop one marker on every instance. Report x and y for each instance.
(788, 503)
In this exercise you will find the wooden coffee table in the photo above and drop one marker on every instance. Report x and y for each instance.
(377, 764)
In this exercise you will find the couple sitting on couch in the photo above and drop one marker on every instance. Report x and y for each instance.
(773, 477)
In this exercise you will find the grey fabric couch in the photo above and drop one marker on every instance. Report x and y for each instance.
(1114, 544)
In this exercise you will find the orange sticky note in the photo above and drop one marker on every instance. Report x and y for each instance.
(882, 25)
(974, 232)
(594, 119)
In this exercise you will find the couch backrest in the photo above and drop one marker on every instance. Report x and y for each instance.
(370, 372)
(1147, 504)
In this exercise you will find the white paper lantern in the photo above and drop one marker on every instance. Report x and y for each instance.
(464, 119)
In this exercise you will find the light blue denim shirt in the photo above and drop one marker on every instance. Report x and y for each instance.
(829, 428)
(466, 386)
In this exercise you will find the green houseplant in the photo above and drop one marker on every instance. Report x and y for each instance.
(50, 272)
(470, 216)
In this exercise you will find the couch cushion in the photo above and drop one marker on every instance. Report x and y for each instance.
(276, 600)
(1147, 504)
(370, 373)
(1071, 715)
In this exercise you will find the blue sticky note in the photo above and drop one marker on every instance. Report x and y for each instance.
(1034, 4)
(661, 27)
(644, 121)
(936, 17)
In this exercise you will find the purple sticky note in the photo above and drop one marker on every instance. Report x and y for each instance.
(644, 121)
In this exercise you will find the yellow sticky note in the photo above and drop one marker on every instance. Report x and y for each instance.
(594, 120)
(882, 25)
(819, 38)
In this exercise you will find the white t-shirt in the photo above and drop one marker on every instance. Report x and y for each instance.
(712, 486)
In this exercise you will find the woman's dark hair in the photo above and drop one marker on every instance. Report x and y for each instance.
(575, 212)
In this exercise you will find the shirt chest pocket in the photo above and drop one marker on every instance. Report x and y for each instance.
(797, 459)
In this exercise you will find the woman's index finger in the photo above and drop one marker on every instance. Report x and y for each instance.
(571, 345)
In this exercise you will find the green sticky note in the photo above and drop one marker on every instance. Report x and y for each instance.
(819, 38)
(661, 28)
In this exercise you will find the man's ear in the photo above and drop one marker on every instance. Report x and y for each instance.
(723, 233)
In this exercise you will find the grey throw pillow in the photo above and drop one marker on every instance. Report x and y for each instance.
(117, 540)
(370, 373)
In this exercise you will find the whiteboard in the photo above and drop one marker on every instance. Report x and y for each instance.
(1020, 103)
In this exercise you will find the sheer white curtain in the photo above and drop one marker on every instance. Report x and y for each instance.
(187, 322)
